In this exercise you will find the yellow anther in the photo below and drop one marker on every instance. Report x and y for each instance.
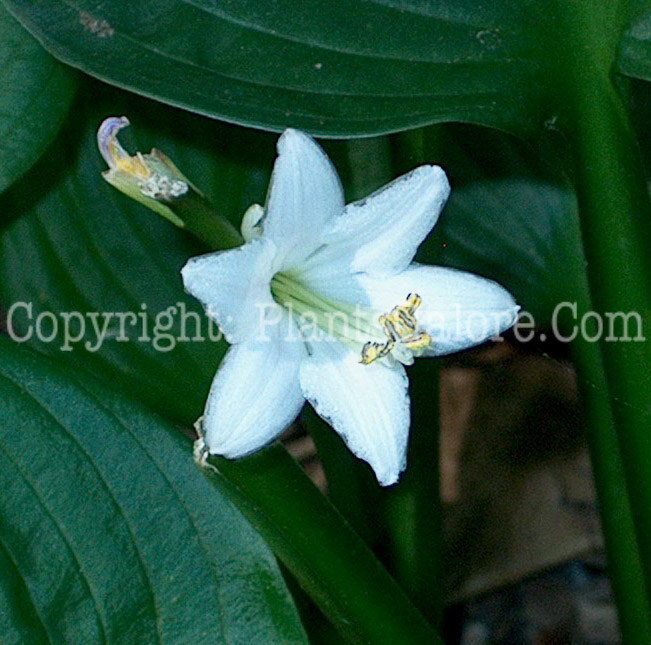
(401, 322)
(401, 329)
(372, 351)
(421, 340)
(413, 302)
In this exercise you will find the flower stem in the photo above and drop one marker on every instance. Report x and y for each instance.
(415, 506)
(201, 219)
(616, 227)
(322, 551)
(625, 568)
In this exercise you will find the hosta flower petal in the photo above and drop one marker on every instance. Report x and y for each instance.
(233, 286)
(305, 193)
(458, 309)
(256, 393)
(380, 234)
(368, 405)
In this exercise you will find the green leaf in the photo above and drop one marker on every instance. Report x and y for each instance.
(356, 68)
(35, 94)
(75, 244)
(109, 532)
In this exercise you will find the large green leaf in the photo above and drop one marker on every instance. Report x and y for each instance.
(108, 531)
(35, 93)
(350, 67)
(76, 244)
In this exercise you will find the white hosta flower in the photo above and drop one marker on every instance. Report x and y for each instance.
(324, 303)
